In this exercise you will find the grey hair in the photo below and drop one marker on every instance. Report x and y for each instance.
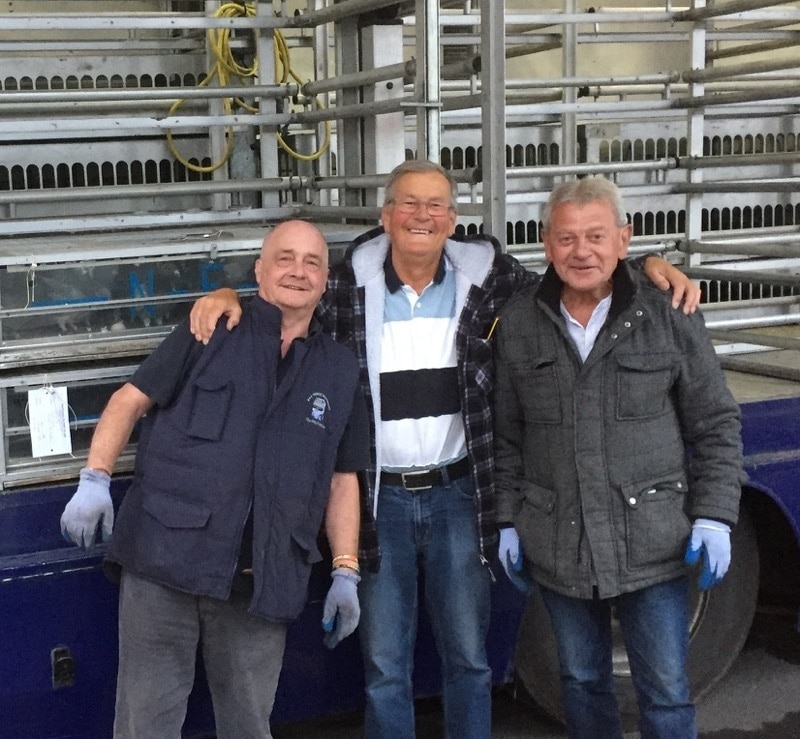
(582, 192)
(419, 166)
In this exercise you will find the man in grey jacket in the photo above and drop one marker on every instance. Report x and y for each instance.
(600, 389)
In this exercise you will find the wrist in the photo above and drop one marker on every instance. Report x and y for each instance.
(96, 475)
(712, 525)
(349, 575)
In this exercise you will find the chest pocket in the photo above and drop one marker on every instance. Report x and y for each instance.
(537, 387)
(643, 384)
(212, 398)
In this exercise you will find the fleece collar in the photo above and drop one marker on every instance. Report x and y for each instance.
(471, 257)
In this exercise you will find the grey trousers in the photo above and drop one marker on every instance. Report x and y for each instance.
(160, 630)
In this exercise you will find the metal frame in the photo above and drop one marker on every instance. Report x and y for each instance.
(433, 79)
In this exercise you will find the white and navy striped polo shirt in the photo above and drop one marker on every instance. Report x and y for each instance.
(421, 424)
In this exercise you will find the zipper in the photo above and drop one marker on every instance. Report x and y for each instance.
(485, 563)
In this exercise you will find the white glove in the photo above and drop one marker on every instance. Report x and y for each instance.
(511, 557)
(90, 506)
(713, 540)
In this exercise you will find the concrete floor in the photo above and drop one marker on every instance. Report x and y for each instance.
(758, 699)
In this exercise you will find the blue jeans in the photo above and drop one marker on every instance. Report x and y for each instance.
(654, 622)
(433, 531)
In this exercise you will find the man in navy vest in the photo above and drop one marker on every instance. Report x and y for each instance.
(247, 443)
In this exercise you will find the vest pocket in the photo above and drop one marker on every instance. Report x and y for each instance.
(287, 576)
(308, 549)
(175, 513)
(165, 541)
(209, 412)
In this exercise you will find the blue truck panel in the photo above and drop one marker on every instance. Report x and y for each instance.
(58, 654)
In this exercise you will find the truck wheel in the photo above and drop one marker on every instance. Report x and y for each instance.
(720, 620)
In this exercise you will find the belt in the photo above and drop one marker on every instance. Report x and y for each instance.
(427, 479)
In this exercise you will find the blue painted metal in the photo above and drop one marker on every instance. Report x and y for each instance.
(53, 595)
(771, 438)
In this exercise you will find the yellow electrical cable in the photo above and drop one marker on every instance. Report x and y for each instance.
(226, 66)
(283, 57)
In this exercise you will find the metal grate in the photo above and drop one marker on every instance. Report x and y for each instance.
(726, 291)
(99, 82)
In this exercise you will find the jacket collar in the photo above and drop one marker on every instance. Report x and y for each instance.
(623, 290)
(267, 314)
(270, 316)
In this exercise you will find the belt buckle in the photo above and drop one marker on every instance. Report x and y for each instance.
(411, 487)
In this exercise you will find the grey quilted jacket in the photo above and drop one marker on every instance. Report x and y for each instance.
(602, 465)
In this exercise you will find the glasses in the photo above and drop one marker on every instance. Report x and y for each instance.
(433, 207)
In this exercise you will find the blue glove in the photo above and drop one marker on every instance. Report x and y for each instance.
(341, 612)
(511, 557)
(713, 539)
(89, 507)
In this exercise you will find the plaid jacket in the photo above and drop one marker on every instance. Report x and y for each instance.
(487, 279)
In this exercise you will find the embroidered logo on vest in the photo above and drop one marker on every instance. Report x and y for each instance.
(319, 408)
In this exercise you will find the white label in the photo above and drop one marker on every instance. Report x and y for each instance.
(48, 416)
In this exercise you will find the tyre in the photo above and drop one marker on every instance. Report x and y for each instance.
(720, 620)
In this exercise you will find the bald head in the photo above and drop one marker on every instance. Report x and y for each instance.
(293, 267)
(294, 233)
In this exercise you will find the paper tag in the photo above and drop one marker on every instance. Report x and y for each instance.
(48, 416)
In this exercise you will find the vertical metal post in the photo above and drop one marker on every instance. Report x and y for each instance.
(384, 135)
(694, 200)
(216, 134)
(350, 149)
(321, 73)
(428, 91)
(4, 447)
(243, 164)
(493, 117)
(569, 121)
(268, 146)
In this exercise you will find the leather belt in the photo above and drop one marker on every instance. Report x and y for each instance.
(427, 479)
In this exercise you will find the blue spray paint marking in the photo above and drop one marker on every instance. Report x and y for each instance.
(138, 291)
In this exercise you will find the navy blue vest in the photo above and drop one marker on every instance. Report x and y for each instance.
(230, 442)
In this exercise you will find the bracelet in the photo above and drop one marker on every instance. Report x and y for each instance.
(345, 557)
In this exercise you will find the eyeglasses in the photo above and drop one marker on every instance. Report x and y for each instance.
(433, 207)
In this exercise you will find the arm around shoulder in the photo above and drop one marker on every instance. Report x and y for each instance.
(665, 277)
(210, 308)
